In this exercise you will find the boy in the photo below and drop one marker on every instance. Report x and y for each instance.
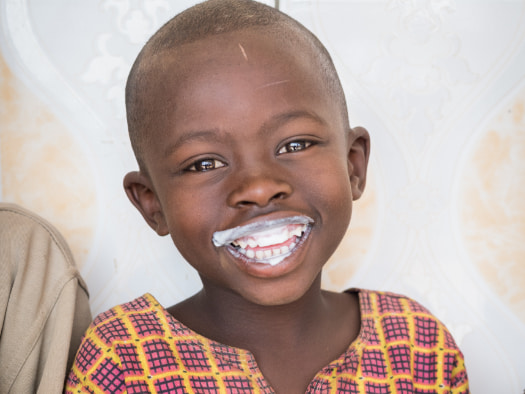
(239, 125)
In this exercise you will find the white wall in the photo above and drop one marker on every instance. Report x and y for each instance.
(440, 84)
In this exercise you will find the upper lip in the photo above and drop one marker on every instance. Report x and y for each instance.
(221, 238)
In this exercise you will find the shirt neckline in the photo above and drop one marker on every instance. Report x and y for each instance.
(346, 358)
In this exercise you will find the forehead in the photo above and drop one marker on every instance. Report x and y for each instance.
(232, 73)
(242, 52)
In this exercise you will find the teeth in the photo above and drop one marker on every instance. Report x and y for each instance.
(297, 231)
(255, 240)
(267, 256)
(260, 229)
(270, 237)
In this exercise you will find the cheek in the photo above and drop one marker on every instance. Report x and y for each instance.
(329, 183)
(190, 220)
(331, 194)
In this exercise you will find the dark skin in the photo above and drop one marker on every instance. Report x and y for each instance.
(246, 132)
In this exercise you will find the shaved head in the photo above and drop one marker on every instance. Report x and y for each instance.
(208, 19)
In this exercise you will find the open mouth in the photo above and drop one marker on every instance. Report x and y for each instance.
(268, 242)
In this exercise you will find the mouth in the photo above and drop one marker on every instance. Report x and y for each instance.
(266, 242)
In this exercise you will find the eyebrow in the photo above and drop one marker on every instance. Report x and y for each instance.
(211, 135)
(281, 119)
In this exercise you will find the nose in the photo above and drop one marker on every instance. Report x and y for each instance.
(257, 189)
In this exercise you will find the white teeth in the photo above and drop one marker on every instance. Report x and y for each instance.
(274, 236)
(224, 237)
(255, 240)
(275, 260)
(272, 239)
(269, 255)
(296, 231)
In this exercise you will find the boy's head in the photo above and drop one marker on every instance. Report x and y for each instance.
(247, 160)
(208, 19)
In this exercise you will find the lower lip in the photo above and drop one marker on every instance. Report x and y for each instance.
(263, 270)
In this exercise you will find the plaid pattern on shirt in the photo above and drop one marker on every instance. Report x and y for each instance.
(139, 348)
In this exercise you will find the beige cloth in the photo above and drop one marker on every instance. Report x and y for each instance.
(44, 308)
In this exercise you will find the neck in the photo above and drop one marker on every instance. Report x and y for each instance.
(228, 318)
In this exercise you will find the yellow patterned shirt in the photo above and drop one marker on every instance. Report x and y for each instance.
(138, 347)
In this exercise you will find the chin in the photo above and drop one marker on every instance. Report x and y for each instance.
(276, 294)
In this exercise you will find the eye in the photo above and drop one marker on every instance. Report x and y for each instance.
(295, 146)
(205, 165)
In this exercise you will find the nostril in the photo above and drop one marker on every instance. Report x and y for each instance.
(262, 202)
(259, 190)
(279, 196)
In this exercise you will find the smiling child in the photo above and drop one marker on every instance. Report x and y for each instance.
(246, 159)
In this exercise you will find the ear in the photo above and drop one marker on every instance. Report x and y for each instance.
(358, 154)
(140, 192)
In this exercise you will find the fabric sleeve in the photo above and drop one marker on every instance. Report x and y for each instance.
(431, 333)
(95, 370)
(458, 379)
(43, 304)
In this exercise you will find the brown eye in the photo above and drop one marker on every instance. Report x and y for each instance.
(294, 146)
(206, 165)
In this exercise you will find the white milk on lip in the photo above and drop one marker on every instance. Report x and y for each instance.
(225, 237)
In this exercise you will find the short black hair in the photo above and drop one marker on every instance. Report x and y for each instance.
(211, 18)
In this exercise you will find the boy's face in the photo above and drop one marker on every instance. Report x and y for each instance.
(247, 133)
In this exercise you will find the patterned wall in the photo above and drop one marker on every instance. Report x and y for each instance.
(440, 84)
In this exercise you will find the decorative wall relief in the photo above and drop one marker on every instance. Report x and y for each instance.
(493, 210)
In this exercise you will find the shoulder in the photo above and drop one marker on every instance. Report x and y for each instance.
(112, 338)
(32, 244)
(127, 321)
(384, 302)
(18, 224)
(395, 315)
(401, 334)
(32, 249)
